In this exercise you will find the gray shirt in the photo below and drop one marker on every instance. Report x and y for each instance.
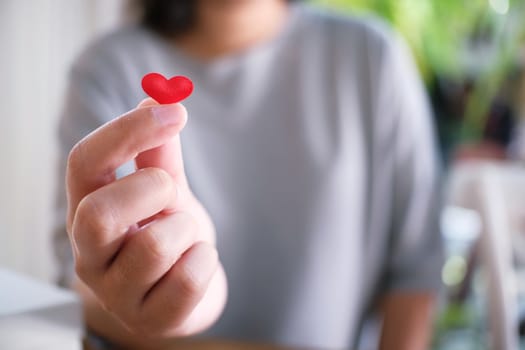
(314, 154)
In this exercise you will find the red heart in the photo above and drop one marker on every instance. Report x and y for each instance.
(166, 91)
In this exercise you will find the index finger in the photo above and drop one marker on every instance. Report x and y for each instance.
(93, 161)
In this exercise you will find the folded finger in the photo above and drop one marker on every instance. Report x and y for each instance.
(105, 216)
(93, 161)
(177, 294)
(145, 258)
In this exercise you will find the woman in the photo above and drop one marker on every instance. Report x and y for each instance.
(308, 165)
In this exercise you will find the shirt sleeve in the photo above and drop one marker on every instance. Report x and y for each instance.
(415, 252)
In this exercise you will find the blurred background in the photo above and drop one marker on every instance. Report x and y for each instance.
(471, 55)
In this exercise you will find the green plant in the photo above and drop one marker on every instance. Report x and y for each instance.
(460, 40)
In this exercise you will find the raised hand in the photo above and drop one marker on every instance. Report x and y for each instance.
(143, 244)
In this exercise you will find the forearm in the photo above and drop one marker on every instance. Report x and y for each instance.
(108, 326)
(407, 321)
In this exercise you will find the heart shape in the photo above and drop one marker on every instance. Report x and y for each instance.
(166, 91)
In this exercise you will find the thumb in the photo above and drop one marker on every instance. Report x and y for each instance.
(167, 156)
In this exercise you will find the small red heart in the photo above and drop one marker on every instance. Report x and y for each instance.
(166, 91)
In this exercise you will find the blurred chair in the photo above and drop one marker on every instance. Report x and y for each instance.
(496, 190)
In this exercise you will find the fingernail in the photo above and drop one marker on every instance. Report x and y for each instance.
(169, 114)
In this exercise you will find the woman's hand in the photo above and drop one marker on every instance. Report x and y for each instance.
(143, 244)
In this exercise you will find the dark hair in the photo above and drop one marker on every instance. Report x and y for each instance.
(168, 17)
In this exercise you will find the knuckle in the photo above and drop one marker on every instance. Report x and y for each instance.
(96, 216)
(154, 244)
(120, 276)
(88, 208)
(189, 285)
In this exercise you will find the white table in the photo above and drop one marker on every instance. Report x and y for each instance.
(35, 315)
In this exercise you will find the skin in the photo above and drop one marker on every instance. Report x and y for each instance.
(148, 271)
(407, 320)
(144, 246)
(225, 27)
